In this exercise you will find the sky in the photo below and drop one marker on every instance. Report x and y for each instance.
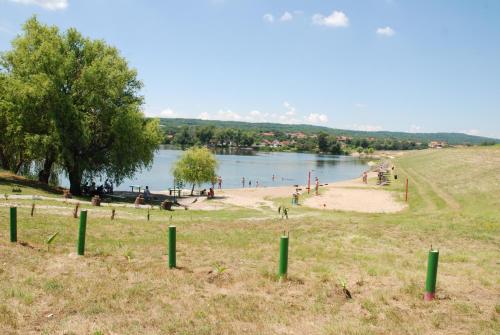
(414, 66)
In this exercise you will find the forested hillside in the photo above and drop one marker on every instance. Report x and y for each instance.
(172, 126)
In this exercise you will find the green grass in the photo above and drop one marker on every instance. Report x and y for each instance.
(123, 284)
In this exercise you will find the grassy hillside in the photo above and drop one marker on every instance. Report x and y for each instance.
(226, 282)
(451, 138)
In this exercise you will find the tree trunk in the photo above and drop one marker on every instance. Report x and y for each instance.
(3, 161)
(192, 190)
(44, 174)
(18, 166)
(75, 181)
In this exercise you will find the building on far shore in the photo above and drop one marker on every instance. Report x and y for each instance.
(343, 139)
(437, 144)
(297, 135)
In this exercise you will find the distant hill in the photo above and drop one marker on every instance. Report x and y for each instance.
(452, 138)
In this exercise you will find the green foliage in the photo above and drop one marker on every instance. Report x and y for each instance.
(196, 166)
(171, 125)
(323, 144)
(51, 239)
(86, 102)
(219, 268)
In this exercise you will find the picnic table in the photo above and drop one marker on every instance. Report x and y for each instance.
(135, 186)
(175, 191)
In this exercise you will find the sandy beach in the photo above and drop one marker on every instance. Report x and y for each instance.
(350, 195)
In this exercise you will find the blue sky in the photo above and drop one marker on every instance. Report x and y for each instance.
(421, 66)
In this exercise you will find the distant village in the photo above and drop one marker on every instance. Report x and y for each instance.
(268, 140)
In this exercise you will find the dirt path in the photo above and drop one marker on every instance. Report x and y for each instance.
(447, 198)
(415, 183)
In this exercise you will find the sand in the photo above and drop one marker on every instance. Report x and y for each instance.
(351, 195)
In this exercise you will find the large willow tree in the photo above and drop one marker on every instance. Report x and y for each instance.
(74, 101)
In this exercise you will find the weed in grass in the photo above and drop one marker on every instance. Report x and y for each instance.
(7, 317)
(53, 286)
(345, 291)
(219, 268)
(51, 239)
(20, 294)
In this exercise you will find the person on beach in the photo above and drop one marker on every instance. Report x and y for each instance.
(243, 182)
(249, 183)
(317, 186)
(257, 184)
(147, 193)
(365, 177)
(220, 182)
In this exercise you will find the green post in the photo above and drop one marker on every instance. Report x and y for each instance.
(283, 257)
(13, 224)
(171, 247)
(430, 282)
(81, 232)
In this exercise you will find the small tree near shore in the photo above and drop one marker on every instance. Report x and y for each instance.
(196, 166)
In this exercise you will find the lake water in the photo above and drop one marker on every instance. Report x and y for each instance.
(288, 168)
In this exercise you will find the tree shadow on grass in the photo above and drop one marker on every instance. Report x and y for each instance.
(14, 181)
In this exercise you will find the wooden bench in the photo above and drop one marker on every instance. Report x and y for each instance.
(175, 191)
(200, 192)
(135, 186)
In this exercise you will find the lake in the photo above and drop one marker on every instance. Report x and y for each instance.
(288, 168)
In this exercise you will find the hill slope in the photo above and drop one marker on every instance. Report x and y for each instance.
(171, 125)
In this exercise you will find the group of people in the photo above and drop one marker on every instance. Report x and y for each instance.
(243, 182)
(217, 180)
(92, 189)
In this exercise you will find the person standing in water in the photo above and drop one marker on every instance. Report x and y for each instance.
(243, 182)
(249, 183)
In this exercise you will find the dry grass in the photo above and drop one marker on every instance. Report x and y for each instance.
(226, 283)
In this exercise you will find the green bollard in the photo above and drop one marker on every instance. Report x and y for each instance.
(81, 233)
(430, 282)
(171, 247)
(13, 224)
(283, 257)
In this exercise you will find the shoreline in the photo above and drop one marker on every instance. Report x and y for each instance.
(346, 195)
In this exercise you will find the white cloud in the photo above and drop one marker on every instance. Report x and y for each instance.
(415, 129)
(204, 116)
(291, 110)
(316, 118)
(268, 18)
(287, 16)
(386, 31)
(47, 4)
(336, 19)
(360, 105)
(474, 132)
(365, 127)
(168, 113)
(225, 115)
(252, 116)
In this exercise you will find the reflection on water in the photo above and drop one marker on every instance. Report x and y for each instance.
(287, 168)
